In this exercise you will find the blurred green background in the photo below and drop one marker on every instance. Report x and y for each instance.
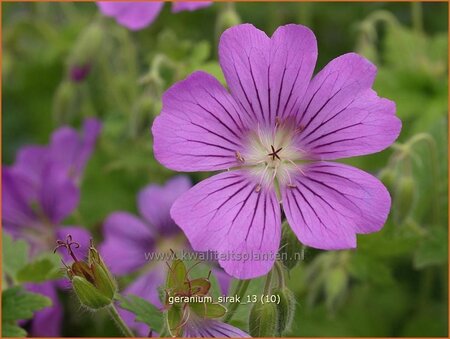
(395, 283)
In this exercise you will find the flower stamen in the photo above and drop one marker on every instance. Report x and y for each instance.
(240, 157)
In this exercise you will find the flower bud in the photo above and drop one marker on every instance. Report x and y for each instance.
(335, 285)
(263, 320)
(78, 73)
(65, 102)
(92, 282)
(103, 279)
(86, 49)
(285, 307)
(387, 176)
(88, 294)
(404, 197)
(291, 250)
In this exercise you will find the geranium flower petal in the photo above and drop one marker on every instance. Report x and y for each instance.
(341, 116)
(146, 287)
(58, 195)
(73, 150)
(332, 202)
(223, 279)
(189, 5)
(17, 192)
(228, 214)
(48, 321)
(127, 239)
(133, 15)
(199, 128)
(155, 201)
(198, 327)
(30, 161)
(268, 77)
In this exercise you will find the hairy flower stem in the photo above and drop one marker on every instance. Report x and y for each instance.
(268, 284)
(119, 321)
(240, 290)
(280, 274)
(431, 143)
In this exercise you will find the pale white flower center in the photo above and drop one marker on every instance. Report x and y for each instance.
(271, 154)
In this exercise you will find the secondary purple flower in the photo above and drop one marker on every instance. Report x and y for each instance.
(138, 15)
(128, 239)
(47, 322)
(277, 129)
(38, 192)
(73, 149)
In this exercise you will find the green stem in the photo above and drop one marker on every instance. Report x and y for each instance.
(432, 146)
(305, 13)
(119, 321)
(417, 17)
(268, 283)
(240, 290)
(280, 274)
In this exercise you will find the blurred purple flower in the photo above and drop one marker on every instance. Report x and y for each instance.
(47, 322)
(79, 73)
(127, 240)
(276, 129)
(138, 15)
(72, 149)
(38, 192)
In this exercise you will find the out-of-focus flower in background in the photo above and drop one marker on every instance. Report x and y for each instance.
(129, 242)
(138, 15)
(129, 238)
(39, 191)
(277, 128)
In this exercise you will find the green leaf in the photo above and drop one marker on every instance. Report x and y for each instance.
(145, 312)
(13, 331)
(18, 304)
(14, 255)
(42, 269)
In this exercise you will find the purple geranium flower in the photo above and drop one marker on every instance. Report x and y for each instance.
(138, 15)
(128, 239)
(38, 192)
(276, 130)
